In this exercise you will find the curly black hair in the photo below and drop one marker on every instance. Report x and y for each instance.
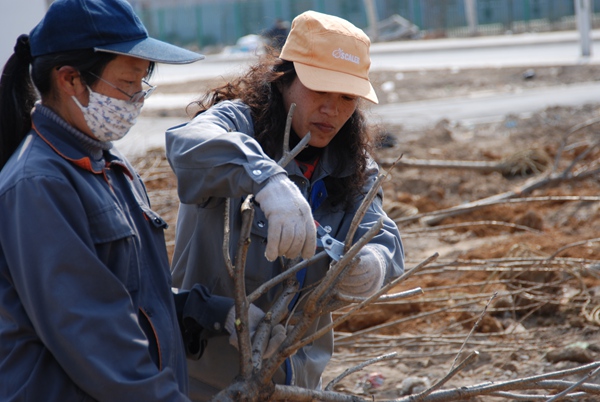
(259, 88)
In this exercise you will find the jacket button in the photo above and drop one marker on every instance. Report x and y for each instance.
(217, 326)
(257, 172)
(260, 224)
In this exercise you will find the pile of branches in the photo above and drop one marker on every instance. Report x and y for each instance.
(254, 382)
(509, 279)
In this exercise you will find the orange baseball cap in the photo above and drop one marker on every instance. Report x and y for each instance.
(330, 54)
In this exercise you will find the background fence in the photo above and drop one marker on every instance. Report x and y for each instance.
(204, 23)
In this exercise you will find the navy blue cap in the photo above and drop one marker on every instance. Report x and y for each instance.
(105, 26)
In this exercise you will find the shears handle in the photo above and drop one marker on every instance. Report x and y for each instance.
(320, 230)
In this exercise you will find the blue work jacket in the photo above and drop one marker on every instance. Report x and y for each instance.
(86, 307)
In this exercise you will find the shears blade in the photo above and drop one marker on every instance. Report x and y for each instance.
(333, 247)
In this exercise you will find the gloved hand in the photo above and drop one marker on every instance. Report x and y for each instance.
(255, 315)
(367, 276)
(291, 227)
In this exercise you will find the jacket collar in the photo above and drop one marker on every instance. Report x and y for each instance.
(68, 142)
(324, 168)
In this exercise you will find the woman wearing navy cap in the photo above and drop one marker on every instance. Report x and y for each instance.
(86, 306)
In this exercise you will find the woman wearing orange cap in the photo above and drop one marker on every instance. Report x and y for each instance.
(230, 149)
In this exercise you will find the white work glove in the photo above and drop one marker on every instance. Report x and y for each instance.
(366, 278)
(292, 229)
(255, 315)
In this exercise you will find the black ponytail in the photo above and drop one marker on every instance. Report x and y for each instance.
(17, 97)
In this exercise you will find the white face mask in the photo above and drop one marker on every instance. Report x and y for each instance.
(108, 118)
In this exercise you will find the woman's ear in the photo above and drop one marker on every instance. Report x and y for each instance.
(69, 81)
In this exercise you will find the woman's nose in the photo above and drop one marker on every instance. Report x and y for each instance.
(330, 105)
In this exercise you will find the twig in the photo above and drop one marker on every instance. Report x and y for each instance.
(262, 289)
(272, 317)
(474, 327)
(227, 237)
(420, 396)
(288, 155)
(385, 298)
(364, 205)
(552, 178)
(527, 397)
(469, 224)
(241, 303)
(287, 131)
(401, 320)
(374, 297)
(572, 131)
(338, 267)
(358, 367)
(577, 384)
(503, 198)
(533, 382)
(362, 209)
(468, 392)
(291, 393)
(576, 244)
(484, 166)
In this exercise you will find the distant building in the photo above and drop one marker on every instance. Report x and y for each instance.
(203, 23)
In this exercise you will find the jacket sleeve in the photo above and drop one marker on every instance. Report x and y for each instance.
(309, 362)
(200, 315)
(215, 155)
(388, 240)
(79, 309)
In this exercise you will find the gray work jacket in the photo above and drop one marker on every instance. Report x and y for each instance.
(215, 156)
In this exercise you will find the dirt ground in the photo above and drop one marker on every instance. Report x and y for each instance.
(518, 282)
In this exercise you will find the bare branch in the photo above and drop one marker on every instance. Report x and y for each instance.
(262, 289)
(339, 266)
(358, 367)
(470, 224)
(227, 237)
(474, 327)
(574, 386)
(288, 128)
(367, 301)
(576, 244)
(503, 198)
(241, 303)
(527, 397)
(533, 382)
(288, 155)
(384, 298)
(362, 209)
(272, 318)
(297, 394)
(452, 373)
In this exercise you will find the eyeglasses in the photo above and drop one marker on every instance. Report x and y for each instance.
(136, 97)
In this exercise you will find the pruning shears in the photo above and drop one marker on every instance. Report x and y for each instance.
(333, 247)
